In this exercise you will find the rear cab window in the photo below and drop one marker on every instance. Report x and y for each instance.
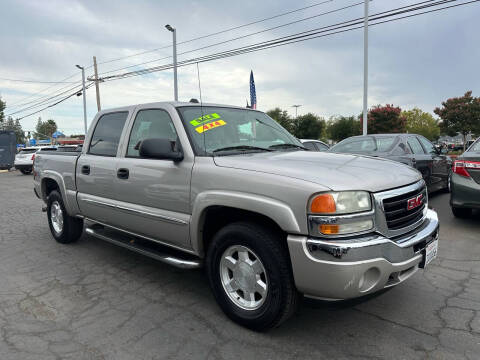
(106, 136)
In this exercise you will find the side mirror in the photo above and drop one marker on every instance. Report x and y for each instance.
(162, 149)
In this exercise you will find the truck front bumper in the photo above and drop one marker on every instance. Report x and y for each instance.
(345, 269)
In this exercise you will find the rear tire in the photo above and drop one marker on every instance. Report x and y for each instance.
(461, 212)
(65, 229)
(250, 275)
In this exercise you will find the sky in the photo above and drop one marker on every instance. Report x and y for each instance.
(415, 62)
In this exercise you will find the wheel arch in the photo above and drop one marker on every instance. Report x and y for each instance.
(53, 181)
(213, 210)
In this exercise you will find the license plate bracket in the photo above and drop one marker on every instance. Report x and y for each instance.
(429, 253)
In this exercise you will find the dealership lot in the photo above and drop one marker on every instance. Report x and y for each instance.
(92, 300)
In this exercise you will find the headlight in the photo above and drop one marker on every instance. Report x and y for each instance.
(340, 213)
(345, 202)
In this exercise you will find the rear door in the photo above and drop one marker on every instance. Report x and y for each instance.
(154, 195)
(440, 165)
(96, 168)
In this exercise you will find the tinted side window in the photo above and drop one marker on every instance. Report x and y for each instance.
(310, 146)
(428, 146)
(321, 147)
(150, 124)
(399, 150)
(106, 135)
(415, 145)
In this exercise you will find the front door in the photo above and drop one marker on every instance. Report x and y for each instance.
(154, 195)
(440, 167)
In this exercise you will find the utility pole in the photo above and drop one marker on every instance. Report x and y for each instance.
(175, 86)
(84, 99)
(365, 69)
(97, 87)
(296, 108)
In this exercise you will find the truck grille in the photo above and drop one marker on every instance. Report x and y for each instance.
(405, 209)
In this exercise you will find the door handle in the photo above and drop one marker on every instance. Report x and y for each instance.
(123, 173)
(86, 169)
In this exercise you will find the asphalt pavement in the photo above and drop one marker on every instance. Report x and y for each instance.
(92, 300)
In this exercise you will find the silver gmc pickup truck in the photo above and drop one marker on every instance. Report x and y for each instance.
(228, 188)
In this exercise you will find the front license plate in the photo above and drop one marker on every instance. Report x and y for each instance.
(431, 252)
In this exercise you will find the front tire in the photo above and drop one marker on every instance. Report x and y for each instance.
(461, 212)
(250, 275)
(65, 229)
(26, 171)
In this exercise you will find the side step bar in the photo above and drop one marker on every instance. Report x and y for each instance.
(143, 247)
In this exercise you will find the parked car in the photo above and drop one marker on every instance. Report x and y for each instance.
(315, 145)
(228, 188)
(465, 182)
(410, 149)
(8, 149)
(24, 159)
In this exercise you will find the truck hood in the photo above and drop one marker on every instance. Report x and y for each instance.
(338, 172)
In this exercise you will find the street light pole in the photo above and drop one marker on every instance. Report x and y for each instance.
(365, 68)
(84, 98)
(175, 86)
(296, 108)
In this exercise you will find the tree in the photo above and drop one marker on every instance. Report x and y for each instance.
(308, 126)
(45, 129)
(423, 123)
(385, 119)
(460, 115)
(341, 127)
(3, 104)
(10, 124)
(282, 117)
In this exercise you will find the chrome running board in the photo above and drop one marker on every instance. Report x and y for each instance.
(144, 247)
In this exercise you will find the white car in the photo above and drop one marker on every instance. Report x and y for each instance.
(24, 159)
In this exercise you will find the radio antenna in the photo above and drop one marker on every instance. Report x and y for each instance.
(201, 108)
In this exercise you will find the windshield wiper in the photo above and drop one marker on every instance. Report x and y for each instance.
(241, 147)
(284, 146)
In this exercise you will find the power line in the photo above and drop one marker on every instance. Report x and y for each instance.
(56, 103)
(324, 27)
(37, 81)
(40, 92)
(240, 37)
(219, 32)
(41, 98)
(292, 38)
(40, 103)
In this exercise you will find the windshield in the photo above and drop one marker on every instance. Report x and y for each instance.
(27, 151)
(217, 129)
(365, 144)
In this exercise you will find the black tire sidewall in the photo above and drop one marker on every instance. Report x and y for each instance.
(248, 236)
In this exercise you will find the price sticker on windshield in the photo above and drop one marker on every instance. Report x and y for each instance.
(205, 118)
(209, 126)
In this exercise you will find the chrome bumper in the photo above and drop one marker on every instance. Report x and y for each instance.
(351, 268)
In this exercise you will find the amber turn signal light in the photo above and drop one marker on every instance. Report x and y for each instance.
(323, 204)
(328, 229)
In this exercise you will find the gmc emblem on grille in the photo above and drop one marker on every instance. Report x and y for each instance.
(414, 202)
